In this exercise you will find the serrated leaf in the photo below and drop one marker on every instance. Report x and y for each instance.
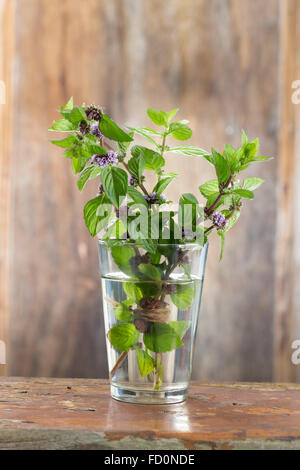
(180, 131)
(115, 183)
(123, 313)
(180, 327)
(221, 166)
(252, 183)
(243, 193)
(91, 213)
(161, 338)
(145, 362)
(162, 185)
(150, 272)
(158, 117)
(65, 143)
(121, 256)
(153, 160)
(171, 114)
(62, 125)
(183, 296)
(136, 166)
(132, 291)
(136, 196)
(123, 336)
(209, 188)
(111, 130)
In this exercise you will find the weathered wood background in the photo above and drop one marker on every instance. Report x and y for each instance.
(228, 64)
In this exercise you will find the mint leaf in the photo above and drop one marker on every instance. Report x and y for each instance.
(62, 125)
(153, 160)
(180, 131)
(65, 143)
(243, 193)
(180, 327)
(209, 188)
(221, 166)
(132, 291)
(183, 296)
(162, 338)
(171, 114)
(190, 151)
(150, 272)
(124, 336)
(77, 115)
(136, 196)
(69, 105)
(252, 183)
(136, 166)
(111, 130)
(122, 312)
(115, 183)
(162, 185)
(145, 362)
(158, 117)
(92, 218)
(121, 256)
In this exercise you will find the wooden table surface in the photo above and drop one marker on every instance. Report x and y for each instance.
(79, 414)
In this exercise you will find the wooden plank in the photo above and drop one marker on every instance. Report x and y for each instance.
(7, 19)
(286, 242)
(161, 54)
(79, 414)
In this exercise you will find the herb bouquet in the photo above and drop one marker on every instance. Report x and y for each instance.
(152, 251)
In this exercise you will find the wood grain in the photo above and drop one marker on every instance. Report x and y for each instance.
(79, 414)
(287, 186)
(7, 35)
(218, 61)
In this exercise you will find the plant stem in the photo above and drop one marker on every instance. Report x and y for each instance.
(139, 184)
(209, 210)
(119, 363)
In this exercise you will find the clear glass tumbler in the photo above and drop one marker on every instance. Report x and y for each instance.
(151, 305)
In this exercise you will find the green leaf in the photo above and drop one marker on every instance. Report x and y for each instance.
(122, 312)
(136, 196)
(62, 125)
(65, 143)
(232, 221)
(145, 362)
(136, 166)
(148, 244)
(171, 114)
(69, 105)
(188, 198)
(180, 327)
(190, 151)
(183, 296)
(162, 185)
(78, 164)
(150, 272)
(161, 338)
(153, 160)
(221, 166)
(180, 131)
(124, 336)
(91, 213)
(77, 115)
(243, 193)
(111, 130)
(244, 138)
(132, 291)
(121, 256)
(252, 183)
(115, 183)
(158, 117)
(123, 146)
(88, 173)
(209, 188)
(141, 131)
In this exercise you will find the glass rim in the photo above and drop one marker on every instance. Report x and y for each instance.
(185, 245)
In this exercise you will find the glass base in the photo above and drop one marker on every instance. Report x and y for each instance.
(148, 397)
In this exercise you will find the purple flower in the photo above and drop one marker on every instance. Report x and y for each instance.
(219, 220)
(96, 131)
(133, 181)
(84, 127)
(109, 158)
(151, 198)
(93, 113)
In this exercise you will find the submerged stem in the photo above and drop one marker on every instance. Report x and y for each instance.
(118, 364)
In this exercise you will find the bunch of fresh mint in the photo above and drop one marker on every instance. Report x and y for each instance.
(125, 208)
